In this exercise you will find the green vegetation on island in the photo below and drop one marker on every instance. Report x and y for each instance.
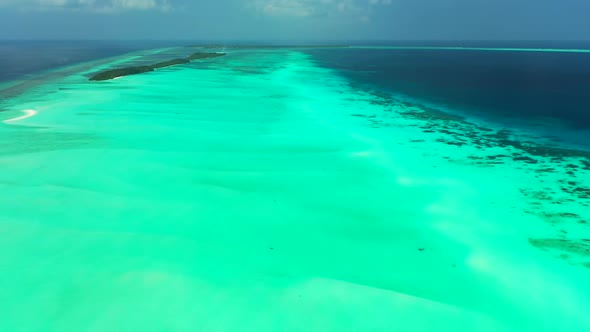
(169, 63)
(264, 46)
(204, 55)
(119, 72)
(114, 73)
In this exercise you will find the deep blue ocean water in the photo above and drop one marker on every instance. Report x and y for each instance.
(543, 90)
(20, 59)
(535, 89)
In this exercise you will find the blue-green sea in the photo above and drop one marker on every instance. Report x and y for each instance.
(267, 191)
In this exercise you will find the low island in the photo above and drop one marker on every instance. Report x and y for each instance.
(120, 72)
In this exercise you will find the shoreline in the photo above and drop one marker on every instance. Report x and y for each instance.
(14, 88)
(134, 70)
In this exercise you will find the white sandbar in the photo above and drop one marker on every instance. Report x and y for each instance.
(28, 114)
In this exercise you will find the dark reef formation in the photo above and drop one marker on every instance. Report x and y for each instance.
(557, 192)
(119, 72)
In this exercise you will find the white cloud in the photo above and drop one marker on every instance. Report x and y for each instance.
(299, 8)
(306, 8)
(99, 6)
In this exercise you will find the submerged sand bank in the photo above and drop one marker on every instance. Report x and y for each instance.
(251, 194)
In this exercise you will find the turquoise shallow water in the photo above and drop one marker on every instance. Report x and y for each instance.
(239, 194)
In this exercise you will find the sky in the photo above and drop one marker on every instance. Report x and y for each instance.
(301, 20)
